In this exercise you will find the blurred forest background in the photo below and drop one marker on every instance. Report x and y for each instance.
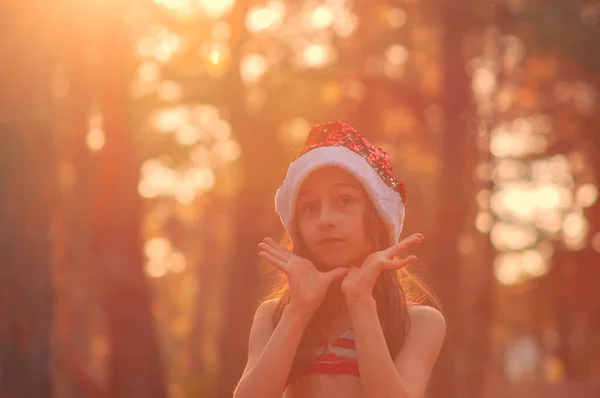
(141, 144)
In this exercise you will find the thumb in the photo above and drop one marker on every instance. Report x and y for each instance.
(336, 273)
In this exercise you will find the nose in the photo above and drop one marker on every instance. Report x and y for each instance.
(326, 216)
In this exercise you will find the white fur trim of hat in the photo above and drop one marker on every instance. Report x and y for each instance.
(387, 201)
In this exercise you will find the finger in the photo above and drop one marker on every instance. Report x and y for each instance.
(276, 246)
(404, 244)
(275, 262)
(336, 274)
(272, 251)
(398, 264)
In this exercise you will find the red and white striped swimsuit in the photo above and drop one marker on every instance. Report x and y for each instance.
(337, 357)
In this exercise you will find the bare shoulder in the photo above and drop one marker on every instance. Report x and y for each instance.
(428, 318)
(266, 308)
(421, 348)
(427, 326)
(263, 318)
(260, 333)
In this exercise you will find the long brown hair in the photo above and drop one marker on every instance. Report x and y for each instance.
(393, 292)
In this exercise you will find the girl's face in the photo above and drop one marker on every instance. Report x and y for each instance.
(330, 212)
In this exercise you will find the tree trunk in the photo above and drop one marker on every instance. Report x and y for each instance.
(208, 272)
(244, 280)
(134, 368)
(260, 154)
(454, 191)
(26, 199)
(76, 299)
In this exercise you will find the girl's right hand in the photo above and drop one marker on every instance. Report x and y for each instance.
(308, 285)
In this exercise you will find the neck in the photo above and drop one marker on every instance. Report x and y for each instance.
(335, 307)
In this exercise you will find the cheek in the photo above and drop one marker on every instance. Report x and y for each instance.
(356, 228)
(359, 242)
(303, 228)
(306, 231)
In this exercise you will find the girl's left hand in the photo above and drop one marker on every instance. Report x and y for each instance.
(359, 282)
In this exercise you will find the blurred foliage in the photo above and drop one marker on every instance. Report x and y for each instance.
(221, 95)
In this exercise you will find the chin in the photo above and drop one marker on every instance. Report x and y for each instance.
(330, 266)
(346, 256)
(331, 262)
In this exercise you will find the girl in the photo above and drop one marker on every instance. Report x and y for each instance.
(342, 325)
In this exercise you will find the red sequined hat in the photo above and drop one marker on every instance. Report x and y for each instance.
(338, 144)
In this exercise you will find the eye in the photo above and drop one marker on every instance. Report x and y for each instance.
(346, 200)
(308, 207)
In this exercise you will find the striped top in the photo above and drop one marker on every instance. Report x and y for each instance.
(337, 357)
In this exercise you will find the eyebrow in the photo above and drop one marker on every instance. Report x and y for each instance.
(345, 184)
(341, 184)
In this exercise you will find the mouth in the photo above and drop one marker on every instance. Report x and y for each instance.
(329, 240)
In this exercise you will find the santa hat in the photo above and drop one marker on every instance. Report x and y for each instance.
(338, 144)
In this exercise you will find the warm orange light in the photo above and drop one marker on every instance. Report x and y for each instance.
(516, 267)
(169, 90)
(216, 8)
(176, 262)
(227, 151)
(188, 135)
(484, 221)
(596, 242)
(397, 17)
(396, 54)
(321, 17)
(587, 195)
(252, 67)
(315, 55)
(169, 120)
(295, 131)
(173, 4)
(95, 139)
(264, 18)
(215, 56)
(212, 8)
(157, 248)
(575, 228)
(506, 236)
